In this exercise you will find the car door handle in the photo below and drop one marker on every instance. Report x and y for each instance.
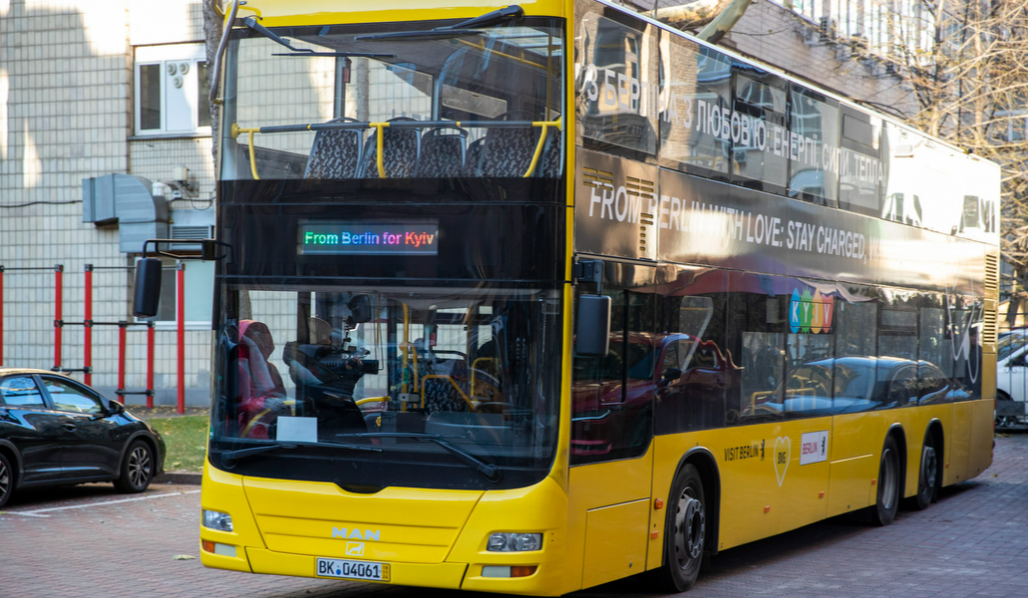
(69, 426)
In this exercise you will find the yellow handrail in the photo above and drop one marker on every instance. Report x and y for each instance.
(372, 400)
(472, 387)
(379, 127)
(378, 148)
(255, 419)
(471, 405)
(539, 144)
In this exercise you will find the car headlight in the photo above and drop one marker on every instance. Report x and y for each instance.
(505, 542)
(216, 520)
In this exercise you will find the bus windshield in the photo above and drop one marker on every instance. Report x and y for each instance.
(390, 101)
(401, 377)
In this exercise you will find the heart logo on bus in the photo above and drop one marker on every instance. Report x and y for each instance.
(782, 457)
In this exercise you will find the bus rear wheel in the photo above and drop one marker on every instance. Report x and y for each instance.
(928, 475)
(888, 496)
(685, 532)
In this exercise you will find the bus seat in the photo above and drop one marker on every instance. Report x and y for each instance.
(335, 153)
(442, 154)
(549, 164)
(471, 162)
(400, 149)
(441, 395)
(507, 152)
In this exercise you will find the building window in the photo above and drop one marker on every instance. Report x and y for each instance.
(172, 90)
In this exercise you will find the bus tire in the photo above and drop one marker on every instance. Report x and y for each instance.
(685, 532)
(928, 475)
(888, 494)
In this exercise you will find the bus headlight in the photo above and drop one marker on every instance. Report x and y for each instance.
(219, 521)
(501, 542)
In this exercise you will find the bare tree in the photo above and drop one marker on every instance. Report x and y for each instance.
(965, 61)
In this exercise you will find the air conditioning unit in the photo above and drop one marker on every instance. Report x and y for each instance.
(190, 232)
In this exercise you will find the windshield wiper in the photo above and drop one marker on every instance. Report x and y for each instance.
(230, 457)
(491, 472)
(513, 12)
(252, 23)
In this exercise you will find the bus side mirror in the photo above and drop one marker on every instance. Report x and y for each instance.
(593, 326)
(146, 290)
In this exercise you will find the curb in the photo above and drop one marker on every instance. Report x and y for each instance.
(178, 477)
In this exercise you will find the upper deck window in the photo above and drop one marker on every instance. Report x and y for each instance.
(388, 101)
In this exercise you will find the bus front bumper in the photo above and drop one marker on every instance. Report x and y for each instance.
(452, 576)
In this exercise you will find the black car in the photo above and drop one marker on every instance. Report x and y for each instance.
(56, 431)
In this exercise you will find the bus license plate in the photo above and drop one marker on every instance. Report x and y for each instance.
(352, 570)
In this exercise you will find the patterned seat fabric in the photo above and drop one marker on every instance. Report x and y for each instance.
(508, 152)
(335, 153)
(442, 154)
(549, 164)
(440, 395)
(400, 149)
(472, 157)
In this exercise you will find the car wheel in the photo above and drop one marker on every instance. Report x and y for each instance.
(1002, 421)
(928, 475)
(888, 495)
(685, 533)
(6, 480)
(137, 469)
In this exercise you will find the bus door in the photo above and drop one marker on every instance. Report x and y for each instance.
(611, 456)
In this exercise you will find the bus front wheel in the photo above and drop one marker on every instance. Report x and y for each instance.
(888, 495)
(685, 532)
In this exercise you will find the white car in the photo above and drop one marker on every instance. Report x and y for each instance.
(1011, 379)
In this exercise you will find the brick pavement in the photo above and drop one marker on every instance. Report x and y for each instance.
(973, 542)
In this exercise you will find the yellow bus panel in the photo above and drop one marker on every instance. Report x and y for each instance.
(616, 542)
(283, 13)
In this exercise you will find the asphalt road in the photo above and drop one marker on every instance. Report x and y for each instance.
(90, 541)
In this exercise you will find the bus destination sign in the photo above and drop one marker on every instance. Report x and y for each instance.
(347, 237)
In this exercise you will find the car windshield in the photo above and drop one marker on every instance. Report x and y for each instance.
(378, 101)
(1010, 343)
(395, 370)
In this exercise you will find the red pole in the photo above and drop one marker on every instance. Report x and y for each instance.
(87, 341)
(1, 315)
(58, 312)
(122, 327)
(180, 316)
(150, 365)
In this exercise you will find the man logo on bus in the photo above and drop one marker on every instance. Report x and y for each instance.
(355, 534)
(810, 313)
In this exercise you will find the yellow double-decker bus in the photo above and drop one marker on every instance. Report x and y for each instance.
(527, 299)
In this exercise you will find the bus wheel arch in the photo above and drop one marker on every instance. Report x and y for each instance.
(934, 434)
(890, 479)
(704, 461)
(696, 468)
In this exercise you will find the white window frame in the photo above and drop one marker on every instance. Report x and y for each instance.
(162, 56)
